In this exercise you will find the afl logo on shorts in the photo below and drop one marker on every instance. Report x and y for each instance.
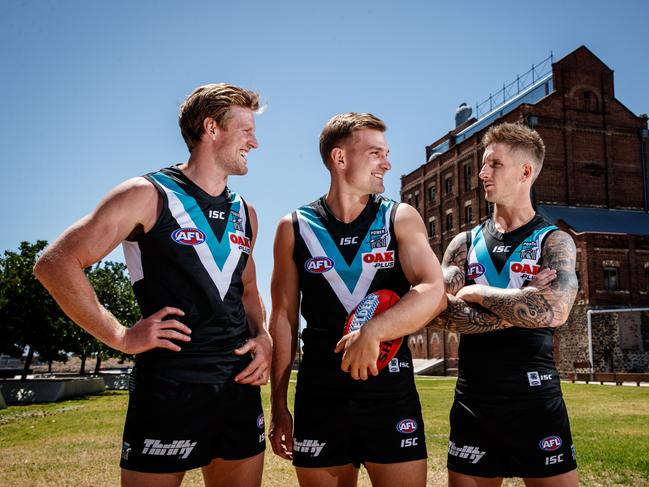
(260, 421)
(551, 443)
(188, 236)
(318, 265)
(475, 270)
(407, 426)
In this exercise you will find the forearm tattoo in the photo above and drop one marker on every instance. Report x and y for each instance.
(453, 264)
(462, 317)
(537, 308)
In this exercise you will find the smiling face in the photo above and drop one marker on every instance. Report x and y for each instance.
(232, 144)
(505, 174)
(364, 157)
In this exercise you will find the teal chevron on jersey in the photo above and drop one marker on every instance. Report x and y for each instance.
(349, 273)
(220, 249)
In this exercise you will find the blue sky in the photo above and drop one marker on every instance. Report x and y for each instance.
(89, 91)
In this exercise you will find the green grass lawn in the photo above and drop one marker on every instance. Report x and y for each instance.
(77, 443)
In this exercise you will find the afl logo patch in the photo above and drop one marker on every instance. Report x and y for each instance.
(260, 421)
(318, 265)
(475, 270)
(188, 236)
(406, 426)
(551, 443)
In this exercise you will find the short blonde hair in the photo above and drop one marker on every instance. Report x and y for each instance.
(341, 126)
(519, 138)
(212, 101)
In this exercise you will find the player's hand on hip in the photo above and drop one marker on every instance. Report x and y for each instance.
(361, 352)
(257, 372)
(543, 278)
(156, 332)
(280, 433)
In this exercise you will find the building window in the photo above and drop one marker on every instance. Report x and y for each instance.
(589, 101)
(610, 279)
(432, 193)
(449, 222)
(417, 200)
(431, 228)
(467, 177)
(448, 184)
(468, 214)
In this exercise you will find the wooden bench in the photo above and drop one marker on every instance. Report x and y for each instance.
(621, 377)
(582, 371)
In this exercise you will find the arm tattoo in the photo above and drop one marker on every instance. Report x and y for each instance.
(462, 317)
(453, 264)
(534, 308)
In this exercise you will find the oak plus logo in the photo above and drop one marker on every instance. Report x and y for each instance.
(240, 242)
(382, 260)
(179, 448)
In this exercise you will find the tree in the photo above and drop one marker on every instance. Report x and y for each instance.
(30, 316)
(114, 291)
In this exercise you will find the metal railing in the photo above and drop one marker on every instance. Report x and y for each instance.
(514, 88)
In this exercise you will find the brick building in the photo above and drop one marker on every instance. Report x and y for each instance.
(594, 185)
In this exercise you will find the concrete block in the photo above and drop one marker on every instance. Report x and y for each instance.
(49, 390)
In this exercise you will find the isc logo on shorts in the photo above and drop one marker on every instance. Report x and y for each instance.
(407, 426)
(188, 236)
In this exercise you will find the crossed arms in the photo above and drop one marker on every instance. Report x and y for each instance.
(477, 308)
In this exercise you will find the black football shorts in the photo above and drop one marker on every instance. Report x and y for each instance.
(174, 426)
(330, 431)
(528, 440)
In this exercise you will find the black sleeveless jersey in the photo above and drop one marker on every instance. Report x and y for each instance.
(193, 259)
(338, 265)
(515, 363)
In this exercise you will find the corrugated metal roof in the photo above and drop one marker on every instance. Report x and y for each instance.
(601, 220)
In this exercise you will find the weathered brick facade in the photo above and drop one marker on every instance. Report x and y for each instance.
(597, 156)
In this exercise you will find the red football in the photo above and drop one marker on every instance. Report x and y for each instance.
(370, 306)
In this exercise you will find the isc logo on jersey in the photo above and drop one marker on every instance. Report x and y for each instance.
(383, 260)
(474, 270)
(188, 236)
(240, 242)
(527, 271)
(318, 265)
(407, 426)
